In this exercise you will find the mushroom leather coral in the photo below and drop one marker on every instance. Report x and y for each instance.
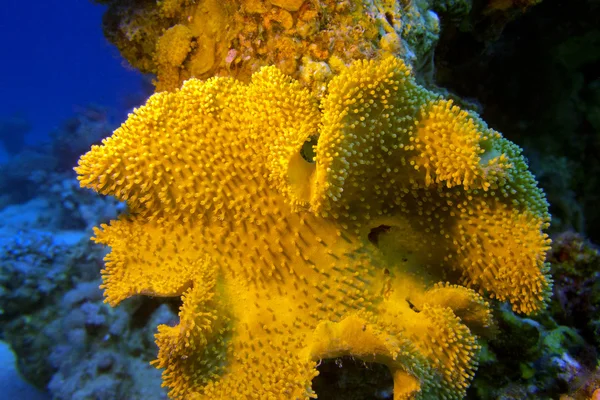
(297, 229)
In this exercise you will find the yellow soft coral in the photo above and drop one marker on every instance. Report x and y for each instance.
(450, 145)
(283, 259)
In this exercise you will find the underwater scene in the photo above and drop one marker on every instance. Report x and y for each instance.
(300, 199)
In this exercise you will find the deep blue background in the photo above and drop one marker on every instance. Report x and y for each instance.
(55, 60)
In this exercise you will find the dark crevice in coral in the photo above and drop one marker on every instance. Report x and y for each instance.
(144, 312)
(375, 233)
(174, 303)
(308, 149)
(412, 306)
(347, 378)
(389, 18)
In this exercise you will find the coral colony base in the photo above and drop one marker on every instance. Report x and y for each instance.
(368, 221)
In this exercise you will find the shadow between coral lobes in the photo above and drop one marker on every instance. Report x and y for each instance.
(348, 378)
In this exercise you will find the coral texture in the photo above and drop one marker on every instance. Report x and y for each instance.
(180, 39)
(297, 229)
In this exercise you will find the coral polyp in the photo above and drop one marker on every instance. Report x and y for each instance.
(380, 245)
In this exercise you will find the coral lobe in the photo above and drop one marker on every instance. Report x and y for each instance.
(273, 253)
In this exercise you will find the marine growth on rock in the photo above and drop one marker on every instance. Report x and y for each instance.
(370, 222)
(306, 39)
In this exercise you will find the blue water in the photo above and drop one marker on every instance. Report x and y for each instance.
(55, 61)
